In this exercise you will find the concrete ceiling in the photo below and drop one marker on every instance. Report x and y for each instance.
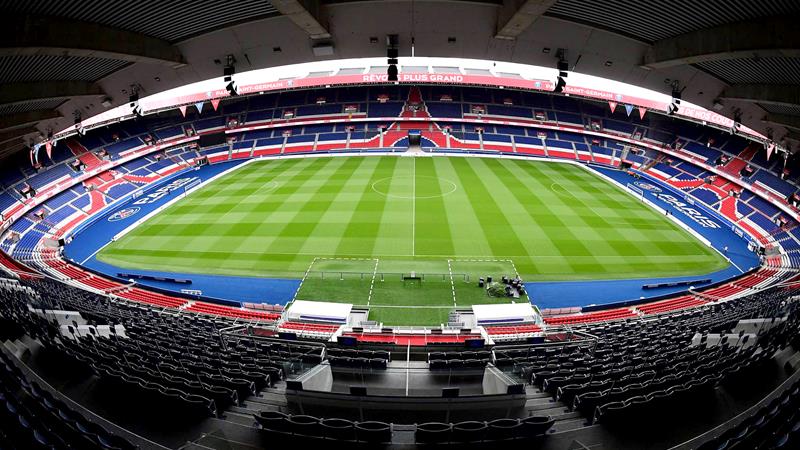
(741, 55)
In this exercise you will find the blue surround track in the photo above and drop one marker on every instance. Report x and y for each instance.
(98, 231)
(93, 235)
(721, 234)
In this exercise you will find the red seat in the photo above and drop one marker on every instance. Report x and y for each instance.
(600, 316)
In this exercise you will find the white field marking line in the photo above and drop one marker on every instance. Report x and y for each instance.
(372, 283)
(414, 207)
(405, 306)
(661, 210)
(452, 283)
(305, 275)
(333, 258)
(733, 263)
(408, 364)
(575, 198)
(406, 197)
(513, 267)
(153, 213)
(481, 260)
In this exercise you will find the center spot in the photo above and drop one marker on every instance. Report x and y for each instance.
(408, 187)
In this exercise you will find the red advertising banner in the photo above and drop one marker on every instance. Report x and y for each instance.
(697, 114)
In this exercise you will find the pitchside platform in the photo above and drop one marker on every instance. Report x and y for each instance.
(339, 313)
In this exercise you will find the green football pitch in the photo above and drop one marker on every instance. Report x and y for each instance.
(354, 227)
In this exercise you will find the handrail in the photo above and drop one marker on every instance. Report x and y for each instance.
(109, 426)
(739, 418)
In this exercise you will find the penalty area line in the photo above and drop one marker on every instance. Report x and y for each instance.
(305, 275)
(452, 283)
(414, 208)
(372, 283)
(407, 306)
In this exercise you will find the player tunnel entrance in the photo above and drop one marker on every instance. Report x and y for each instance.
(413, 138)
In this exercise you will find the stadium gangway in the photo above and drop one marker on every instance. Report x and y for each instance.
(248, 331)
(719, 430)
(32, 376)
(575, 338)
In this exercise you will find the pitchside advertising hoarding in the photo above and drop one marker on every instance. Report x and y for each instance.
(494, 74)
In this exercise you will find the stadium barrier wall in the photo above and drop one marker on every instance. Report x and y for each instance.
(195, 186)
(393, 151)
(640, 301)
(147, 287)
(700, 205)
(122, 201)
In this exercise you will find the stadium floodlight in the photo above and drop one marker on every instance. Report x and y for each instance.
(672, 108)
(230, 83)
(563, 71)
(77, 120)
(561, 83)
(232, 88)
(392, 73)
(676, 93)
(133, 102)
(563, 68)
(391, 57)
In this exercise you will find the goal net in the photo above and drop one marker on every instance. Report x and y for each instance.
(636, 190)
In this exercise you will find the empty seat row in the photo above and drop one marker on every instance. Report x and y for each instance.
(458, 364)
(485, 355)
(371, 432)
(495, 431)
(331, 429)
(33, 418)
(358, 363)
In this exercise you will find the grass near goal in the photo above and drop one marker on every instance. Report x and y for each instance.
(403, 291)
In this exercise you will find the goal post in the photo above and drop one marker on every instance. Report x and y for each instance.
(636, 190)
(191, 186)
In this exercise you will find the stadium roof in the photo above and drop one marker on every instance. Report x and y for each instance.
(415, 70)
(68, 56)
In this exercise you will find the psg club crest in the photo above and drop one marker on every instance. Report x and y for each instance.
(123, 214)
(647, 186)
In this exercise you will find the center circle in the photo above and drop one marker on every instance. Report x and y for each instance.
(408, 187)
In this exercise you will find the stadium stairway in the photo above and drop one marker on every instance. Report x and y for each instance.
(735, 165)
(415, 106)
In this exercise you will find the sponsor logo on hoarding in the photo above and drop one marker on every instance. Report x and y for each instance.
(123, 214)
(647, 186)
(161, 192)
(686, 209)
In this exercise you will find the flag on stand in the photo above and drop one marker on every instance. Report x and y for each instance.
(628, 109)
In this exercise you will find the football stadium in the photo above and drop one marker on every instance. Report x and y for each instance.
(539, 224)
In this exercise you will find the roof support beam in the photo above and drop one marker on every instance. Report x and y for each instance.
(41, 35)
(305, 14)
(773, 36)
(783, 120)
(43, 90)
(7, 136)
(11, 147)
(516, 16)
(768, 94)
(793, 135)
(28, 118)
